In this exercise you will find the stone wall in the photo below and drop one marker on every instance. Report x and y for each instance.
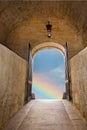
(12, 84)
(78, 66)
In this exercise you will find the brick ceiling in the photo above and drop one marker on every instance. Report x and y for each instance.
(24, 21)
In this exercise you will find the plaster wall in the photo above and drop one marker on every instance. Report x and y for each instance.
(12, 84)
(79, 81)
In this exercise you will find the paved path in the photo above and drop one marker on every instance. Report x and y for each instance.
(47, 115)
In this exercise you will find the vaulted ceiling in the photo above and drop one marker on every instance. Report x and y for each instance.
(22, 22)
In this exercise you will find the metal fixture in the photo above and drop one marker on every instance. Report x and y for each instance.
(49, 28)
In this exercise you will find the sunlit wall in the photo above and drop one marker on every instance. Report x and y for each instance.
(48, 74)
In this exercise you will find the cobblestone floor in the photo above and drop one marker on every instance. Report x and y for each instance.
(47, 115)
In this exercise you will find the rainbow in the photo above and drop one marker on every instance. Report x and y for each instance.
(45, 89)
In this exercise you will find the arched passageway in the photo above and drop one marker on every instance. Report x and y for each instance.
(48, 71)
(48, 74)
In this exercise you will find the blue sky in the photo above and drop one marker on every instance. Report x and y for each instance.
(48, 66)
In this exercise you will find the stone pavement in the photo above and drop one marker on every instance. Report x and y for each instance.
(47, 115)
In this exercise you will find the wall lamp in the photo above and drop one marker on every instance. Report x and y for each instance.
(49, 28)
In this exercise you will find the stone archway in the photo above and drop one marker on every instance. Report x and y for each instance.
(44, 45)
(48, 45)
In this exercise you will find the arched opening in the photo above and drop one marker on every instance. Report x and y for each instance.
(48, 71)
(52, 45)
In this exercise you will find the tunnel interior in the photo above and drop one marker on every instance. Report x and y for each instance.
(25, 22)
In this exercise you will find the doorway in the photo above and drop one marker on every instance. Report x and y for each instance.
(48, 74)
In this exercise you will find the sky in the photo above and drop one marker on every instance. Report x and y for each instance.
(48, 74)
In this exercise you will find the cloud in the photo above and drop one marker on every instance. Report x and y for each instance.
(58, 70)
(58, 73)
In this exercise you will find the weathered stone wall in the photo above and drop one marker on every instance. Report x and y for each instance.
(12, 84)
(79, 81)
